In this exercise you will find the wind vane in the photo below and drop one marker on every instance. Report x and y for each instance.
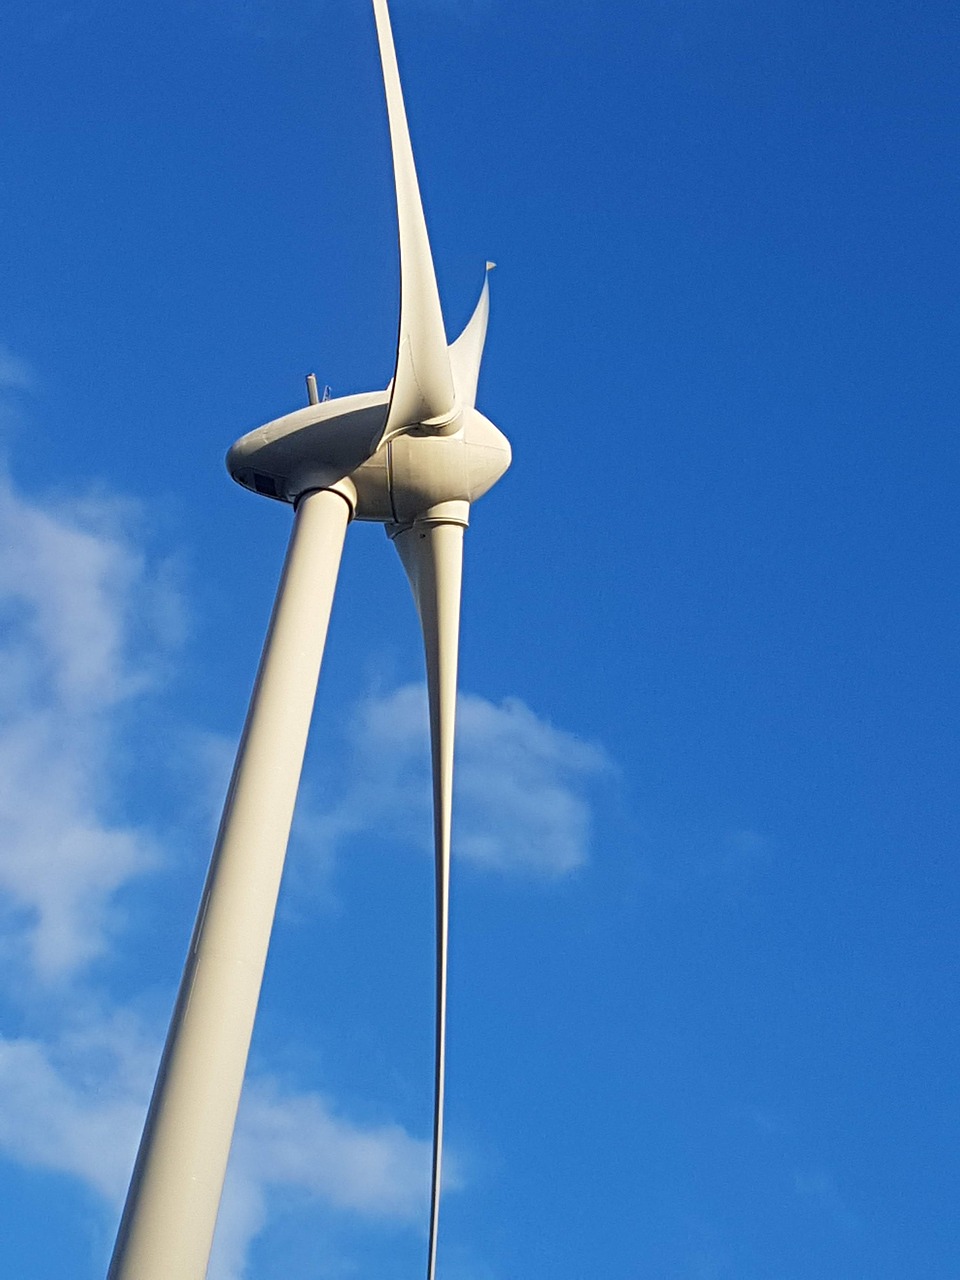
(413, 457)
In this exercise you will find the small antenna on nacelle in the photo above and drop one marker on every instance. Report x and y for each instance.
(313, 396)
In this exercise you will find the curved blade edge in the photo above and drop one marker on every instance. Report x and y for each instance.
(467, 352)
(422, 390)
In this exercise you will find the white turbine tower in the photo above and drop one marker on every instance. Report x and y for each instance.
(413, 457)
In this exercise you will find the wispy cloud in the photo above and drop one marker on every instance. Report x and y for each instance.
(87, 619)
(522, 803)
(299, 1142)
(76, 1106)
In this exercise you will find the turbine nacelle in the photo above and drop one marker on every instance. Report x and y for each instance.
(324, 445)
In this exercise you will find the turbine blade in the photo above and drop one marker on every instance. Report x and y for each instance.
(467, 352)
(422, 390)
(432, 554)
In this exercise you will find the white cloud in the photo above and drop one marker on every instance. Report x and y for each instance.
(62, 862)
(86, 621)
(298, 1142)
(378, 1171)
(522, 783)
(76, 1106)
(88, 609)
(521, 786)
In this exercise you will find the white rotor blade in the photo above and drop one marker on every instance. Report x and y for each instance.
(467, 352)
(168, 1221)
(432, 555)
(422, 390)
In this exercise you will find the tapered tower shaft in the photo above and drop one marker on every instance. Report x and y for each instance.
(168, 1222)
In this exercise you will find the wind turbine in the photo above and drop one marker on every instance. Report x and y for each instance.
(413, 457)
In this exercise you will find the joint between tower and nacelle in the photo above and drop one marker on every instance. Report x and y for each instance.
(344, 489)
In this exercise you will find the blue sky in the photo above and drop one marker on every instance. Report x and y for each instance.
(703, 1017)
